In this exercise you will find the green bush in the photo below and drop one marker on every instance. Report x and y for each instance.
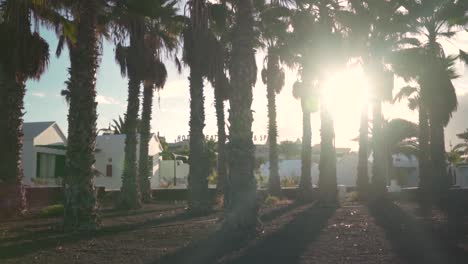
(353, 197)
(272, 200)
(50, 211)
(213, 178)
(292, 181)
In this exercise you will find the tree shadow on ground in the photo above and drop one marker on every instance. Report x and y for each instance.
(51, 238)
(275, 213)
(110, 213)
(105, 214)
(412, 240)
(282, 246)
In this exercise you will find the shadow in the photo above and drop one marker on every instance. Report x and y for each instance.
(277, 212)
(288, 243)
(54, 222)
(109, 213)
(282, 246)
(51, 238)
(412, 240)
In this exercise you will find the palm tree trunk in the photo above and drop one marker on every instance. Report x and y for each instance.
(130, 197)
(327, 167)
(144, 169)
(274, 184)
(11, 137)
(425, 175)
(241, 213)
(80, 211)
(305, 183)
(199, 170)
(362, 182)
(221, 164)
(441, 179)
(379, 177)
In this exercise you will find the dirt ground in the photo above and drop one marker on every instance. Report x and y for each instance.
(163, 233)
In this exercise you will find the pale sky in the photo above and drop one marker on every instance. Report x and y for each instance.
(171, 116)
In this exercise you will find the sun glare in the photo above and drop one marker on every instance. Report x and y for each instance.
(346, 93)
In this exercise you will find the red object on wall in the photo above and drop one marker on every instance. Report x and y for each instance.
(109, 170)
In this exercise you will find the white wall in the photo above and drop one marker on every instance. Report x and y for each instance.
(112, 147)
(110, 150)
(28, 160)
(51, 136)
(462, 176)
(167, 172)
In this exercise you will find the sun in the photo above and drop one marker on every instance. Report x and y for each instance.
(346, 93)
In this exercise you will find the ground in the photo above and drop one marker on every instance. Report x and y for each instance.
(163, 233)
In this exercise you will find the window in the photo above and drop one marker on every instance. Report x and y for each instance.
(109, 170)
(45, 165)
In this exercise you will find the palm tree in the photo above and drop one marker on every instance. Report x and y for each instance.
(80, 196)
(377, 29)
(273, 27)
(362, 182)
(414, 103)
(131, 18)
(316, 42)
(219, 18)
(195, 52)
(300, 41)
(24, 56)
(327, 165)
(437, 20)
(241, 212)
(161, 37)
(308, 98)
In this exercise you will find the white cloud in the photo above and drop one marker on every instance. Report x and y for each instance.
(107, 100)
(38, 94)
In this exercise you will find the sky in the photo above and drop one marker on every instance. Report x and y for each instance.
(43, 101)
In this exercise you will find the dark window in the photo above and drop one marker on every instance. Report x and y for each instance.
(109, 170)
(59, 166)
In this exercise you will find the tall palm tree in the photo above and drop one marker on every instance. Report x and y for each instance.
(378, 27)
(327, 165)
(241, 213)
(273, 27)
(316, 43)
(362, 181)
(409, 64)
(309, 103)
(300, 41)
(436, 20)
(162, 36)
(412, 94)
(80, 196)
(195, 53)
(219, 24)
(24, 56)
(131, 19)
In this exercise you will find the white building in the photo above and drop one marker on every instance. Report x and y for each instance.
(43, 157)
(406, 169)
(461, 176)
(110, 160)
(43, 154)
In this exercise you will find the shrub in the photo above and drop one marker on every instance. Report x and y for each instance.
(353, 197)
(290, 181)
(52, 210)
(272, 200)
